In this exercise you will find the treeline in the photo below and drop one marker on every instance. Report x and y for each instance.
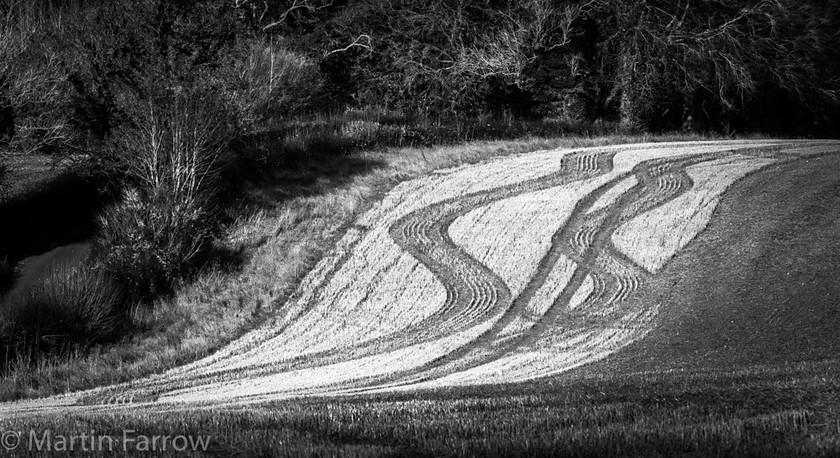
(71, 71)
(712, 65)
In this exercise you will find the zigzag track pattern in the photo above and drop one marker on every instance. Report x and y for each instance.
(497, 328)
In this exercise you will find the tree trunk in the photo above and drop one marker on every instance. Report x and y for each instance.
(627, 81)
(7, 122)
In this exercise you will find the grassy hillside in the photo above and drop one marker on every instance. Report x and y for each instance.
(743, 363)
(297, 214)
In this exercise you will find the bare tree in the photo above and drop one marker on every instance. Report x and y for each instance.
(32, 83)
(725, 51)
(535, 26)
(447, 50)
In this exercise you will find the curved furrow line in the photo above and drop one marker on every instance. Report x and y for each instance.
(619, 290)
(589, 236)
(474, 293)
(599, 291)
(659, 168)
(603, 164)
(671, 185)
(584, 237)
(455, 361)
(663, 184)
(605, 305)
(587, 162)
(593, 162)
(646, 194)
(627, 281)
(579, 241)
(430, 243)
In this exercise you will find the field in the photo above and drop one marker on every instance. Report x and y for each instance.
(622, 300)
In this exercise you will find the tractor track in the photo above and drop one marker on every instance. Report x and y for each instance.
(588, 277)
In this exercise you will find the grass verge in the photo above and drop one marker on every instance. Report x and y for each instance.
(759, 411)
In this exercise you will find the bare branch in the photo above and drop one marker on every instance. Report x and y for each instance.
(362, 41)
(297, 5)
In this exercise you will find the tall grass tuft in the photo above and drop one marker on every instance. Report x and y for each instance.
(70, 307)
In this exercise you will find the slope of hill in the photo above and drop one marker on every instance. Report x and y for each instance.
(645, 300)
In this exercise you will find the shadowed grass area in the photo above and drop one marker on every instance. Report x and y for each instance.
(7, 274)
(69, 305)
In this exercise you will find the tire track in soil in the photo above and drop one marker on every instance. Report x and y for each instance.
(484, 346)
(586, 239)
(475, 293)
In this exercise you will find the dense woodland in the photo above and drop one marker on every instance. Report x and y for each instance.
(73, 71)
(157, 99)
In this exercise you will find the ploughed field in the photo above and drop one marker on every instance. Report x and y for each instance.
(519, 269)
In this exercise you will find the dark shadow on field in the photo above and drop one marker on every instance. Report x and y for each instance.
(653, 414)
(268, 170)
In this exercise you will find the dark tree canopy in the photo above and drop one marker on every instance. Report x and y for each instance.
(648, 64)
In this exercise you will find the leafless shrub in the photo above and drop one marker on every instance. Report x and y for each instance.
(537, 26)
(172, 153)
(271, 82)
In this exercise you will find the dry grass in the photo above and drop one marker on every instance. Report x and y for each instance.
(775, 411)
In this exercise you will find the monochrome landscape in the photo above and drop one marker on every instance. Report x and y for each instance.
(435, 228)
